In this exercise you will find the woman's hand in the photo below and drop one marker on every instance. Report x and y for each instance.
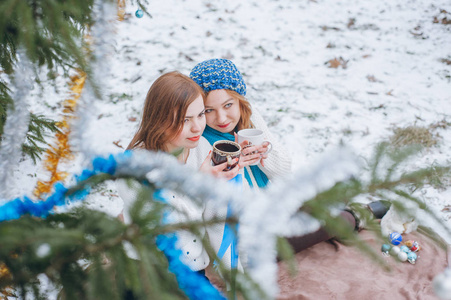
(249, 154)
(252, 154)
(219, 171)
(263, 151)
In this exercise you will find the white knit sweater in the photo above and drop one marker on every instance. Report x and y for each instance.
(194, 254)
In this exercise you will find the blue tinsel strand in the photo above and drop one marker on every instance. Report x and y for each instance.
(105, 165)
(16, 208)
(193, 284)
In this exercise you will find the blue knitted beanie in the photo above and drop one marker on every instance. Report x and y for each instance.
(218, 73)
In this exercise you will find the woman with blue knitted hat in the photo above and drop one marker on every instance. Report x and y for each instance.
(227, 111)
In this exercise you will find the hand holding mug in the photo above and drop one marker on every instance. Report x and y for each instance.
(263, 150)
(225, 151)
(249, 155)
(257, 142)
(218, 170)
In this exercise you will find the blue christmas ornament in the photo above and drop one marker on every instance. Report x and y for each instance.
(139, 13)
(385, 248)
(405, 249)
(412, 257)
(395, 238)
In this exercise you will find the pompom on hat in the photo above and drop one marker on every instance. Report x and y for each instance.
(218, 73)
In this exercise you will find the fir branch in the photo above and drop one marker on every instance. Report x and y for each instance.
(93, 235)
(421, 205)
(417, 178)
(398, 156)
(38, 128)
(286, 254)
(143, 7)
(5, 103)
(92, 181)
(320, 208)
(51, 31)
(374, 163)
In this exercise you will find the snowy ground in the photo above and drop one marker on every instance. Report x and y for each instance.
(394, 71)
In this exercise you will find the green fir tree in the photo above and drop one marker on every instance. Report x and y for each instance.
(51, 33)
(52, 36)
(82, 252)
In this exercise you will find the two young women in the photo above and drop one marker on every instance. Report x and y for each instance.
(174, 118)
(227, 111)
(191, 114)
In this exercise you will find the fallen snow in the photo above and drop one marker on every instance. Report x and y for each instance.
(394, 76)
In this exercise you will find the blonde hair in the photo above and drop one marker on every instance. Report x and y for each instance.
(164, 111)
(245, 110)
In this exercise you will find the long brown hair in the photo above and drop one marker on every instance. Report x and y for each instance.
(164, 110)
(245, 110)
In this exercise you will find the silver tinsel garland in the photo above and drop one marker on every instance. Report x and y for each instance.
(102, 37)
(16, 125)
(275, 213)
(263, 215)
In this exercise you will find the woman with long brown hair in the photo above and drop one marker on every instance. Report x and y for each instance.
(173, 121)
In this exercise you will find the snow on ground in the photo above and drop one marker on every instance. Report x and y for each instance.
(393, 73)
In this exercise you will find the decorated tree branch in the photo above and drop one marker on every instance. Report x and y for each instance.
(84, 254)
(52, 36)
(63, 245)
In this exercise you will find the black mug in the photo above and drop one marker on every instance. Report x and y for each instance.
(226, 151)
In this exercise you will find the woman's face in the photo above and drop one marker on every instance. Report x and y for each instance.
(222, 111)
(193, 127)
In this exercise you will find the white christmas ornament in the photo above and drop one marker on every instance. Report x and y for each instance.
(402, 256)
(395, 250)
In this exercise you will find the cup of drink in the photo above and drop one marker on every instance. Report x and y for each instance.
(255, 138)
(226, 151)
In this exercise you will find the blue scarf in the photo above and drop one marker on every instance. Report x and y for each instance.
(213, 135)
(230, 238)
